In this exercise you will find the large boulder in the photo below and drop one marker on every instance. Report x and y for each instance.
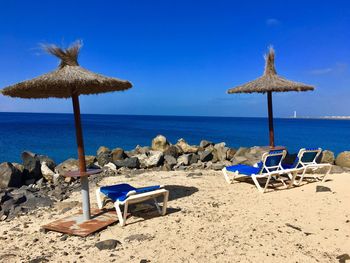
(206, 156)
(173, 150)
(130, 163)
(10, 176)
(241, 151)
(170, 161)
(160, 143)
(185, 147)
(327, 157)
(230, 153)
(204, 144)
(47, 173)
(32, 165)
(193, 158)
(221, 151)
(118, 154)
(343, 159)
(103, 149)
(104, 157)
(49, 162)
(183, 160)
(66, 166)
(154, 159)
(90, 161)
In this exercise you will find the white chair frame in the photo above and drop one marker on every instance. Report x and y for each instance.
(132, 198)
(272, 171)
(304, 166)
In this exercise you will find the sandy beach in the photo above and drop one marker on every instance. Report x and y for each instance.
(208, 220)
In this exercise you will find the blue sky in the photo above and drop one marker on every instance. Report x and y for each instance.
(182, 56)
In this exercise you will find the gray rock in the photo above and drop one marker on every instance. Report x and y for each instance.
(90, 161)
(47, 173)
(327, 157)
(107, 244)
(19, 166)
(320, 188)
(230, 153)
(103, 158)
(141, 149)
(337, 169)
(130, 163)
(68, 165)
(31, 166)
(204, 144)
(183, 160)
(206, 156)
(154, 159)
(193, 158)
(343, 159)
(118, 154)
(241, 152)
(102, 149)
(10, 176)
(185, 147)
(221, 151)
(217, 166)
(49, 162)
(239, 160)
(160, 143)
(173, 150)
(170, 160)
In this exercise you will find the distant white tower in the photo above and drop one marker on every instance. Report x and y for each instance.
(295, 114)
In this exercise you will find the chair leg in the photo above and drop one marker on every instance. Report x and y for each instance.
(327, 173)
(165, 202)
(126, 205)
(255, 180)
(227, 176)
(292, 180)
(99, 198)
(302, 176)
(119, 213)
(267, 182)
(157, 205)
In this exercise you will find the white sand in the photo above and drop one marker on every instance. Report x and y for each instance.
(208, 221)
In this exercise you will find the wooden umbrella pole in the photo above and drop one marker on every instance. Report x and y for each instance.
(270, 112)
(81, 157)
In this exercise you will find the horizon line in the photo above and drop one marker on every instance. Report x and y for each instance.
(169, 115)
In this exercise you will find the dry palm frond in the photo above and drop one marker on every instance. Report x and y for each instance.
(69, 78)
(270, 81)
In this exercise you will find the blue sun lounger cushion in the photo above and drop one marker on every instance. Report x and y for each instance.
(270, 165)
(122, 195)
(120, 192)
(306, 159)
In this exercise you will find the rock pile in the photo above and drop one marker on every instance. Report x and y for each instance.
(39, 179)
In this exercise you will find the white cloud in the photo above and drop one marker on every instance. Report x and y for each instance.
(321, 71)
(272, 22)
(337, 68)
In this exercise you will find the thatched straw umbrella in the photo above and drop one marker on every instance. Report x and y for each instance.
(268, 83)
(69, 80)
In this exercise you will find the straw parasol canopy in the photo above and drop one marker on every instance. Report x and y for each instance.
(69, 80)
(270, 82)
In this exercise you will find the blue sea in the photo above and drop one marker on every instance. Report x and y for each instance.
(54, 134)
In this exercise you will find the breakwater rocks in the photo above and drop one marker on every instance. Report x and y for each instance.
(39, 180)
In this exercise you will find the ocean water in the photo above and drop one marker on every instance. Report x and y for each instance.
(54, 134)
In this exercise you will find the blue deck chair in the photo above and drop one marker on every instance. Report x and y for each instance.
(268, 167)
(125, 194)
(305, 160)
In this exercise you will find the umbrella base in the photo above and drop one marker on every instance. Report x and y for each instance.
(75, 225)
